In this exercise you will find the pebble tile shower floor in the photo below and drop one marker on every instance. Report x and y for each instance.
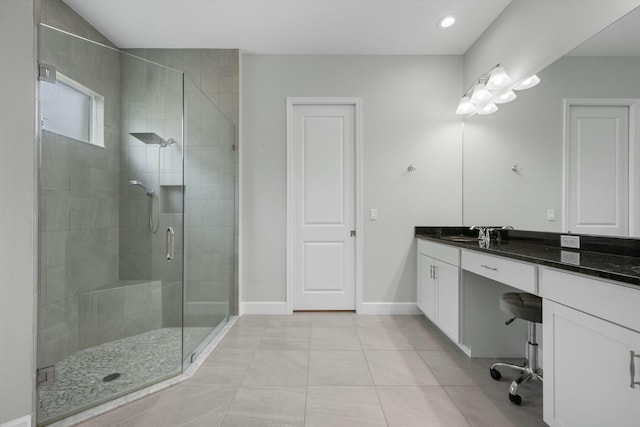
(139, 359)
(329, 369)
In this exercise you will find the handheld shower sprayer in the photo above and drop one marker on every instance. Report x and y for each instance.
(149, 193)
(141, 185)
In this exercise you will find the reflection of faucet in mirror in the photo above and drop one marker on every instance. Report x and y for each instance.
(495, 234)
(481, 231)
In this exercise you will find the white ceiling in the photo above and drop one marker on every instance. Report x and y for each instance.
(622, 38)
(293, 26)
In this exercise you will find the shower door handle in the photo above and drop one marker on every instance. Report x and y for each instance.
(170, 243)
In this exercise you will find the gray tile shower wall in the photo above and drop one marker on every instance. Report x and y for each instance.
(94, 225)
(151, 98)
(57, 14)
(215, 71)
(79, 192)
(211, 76)
(123, 311)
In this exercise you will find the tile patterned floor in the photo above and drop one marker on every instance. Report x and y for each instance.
(139, 359)
(326, 369)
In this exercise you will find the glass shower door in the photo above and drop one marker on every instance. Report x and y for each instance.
(209, 220)
(110, 224)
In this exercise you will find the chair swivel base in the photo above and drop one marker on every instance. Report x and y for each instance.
(527, 373)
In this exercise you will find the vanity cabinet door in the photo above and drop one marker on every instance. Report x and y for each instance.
(438, 294)
(426, 286)
(447, 299)
(589, 363)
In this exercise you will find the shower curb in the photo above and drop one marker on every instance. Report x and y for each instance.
(136, 395)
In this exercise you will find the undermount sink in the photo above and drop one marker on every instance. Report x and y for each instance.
(460, 238)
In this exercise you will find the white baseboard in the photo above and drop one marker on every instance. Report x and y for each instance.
(268, 307)
(18, 422)
(263, 307)
(389, 308)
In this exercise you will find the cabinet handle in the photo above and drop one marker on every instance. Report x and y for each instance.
(435, 272)
(489, 268)
(431, 271)
(632, 368)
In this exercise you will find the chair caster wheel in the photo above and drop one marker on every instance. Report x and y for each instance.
(495, 374)
(514, 398)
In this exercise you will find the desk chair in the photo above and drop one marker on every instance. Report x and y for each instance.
(527, 307)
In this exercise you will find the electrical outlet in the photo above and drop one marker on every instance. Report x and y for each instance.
(570, 241)
(570, 257)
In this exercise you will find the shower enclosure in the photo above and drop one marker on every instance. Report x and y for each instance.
(136, 223)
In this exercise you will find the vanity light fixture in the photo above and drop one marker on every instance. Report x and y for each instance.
(465, 106)
(494, 87)
(447, 21)
(489, 108)
(498, 78)
(480, 93)
(505, 97)
(527, 83)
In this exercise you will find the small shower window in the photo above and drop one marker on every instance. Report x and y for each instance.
(72, 110)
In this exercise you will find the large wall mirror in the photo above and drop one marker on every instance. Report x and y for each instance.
(565, 156)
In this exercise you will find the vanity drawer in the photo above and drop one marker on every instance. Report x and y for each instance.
(513, 273)
(445, 253)
(612, 301)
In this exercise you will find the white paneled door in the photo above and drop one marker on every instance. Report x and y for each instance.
(322, 200)
(598, 178)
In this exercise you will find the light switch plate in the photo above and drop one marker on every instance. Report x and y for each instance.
(570, 241)
(373, 214)
(551, 214)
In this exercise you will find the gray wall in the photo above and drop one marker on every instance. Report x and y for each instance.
(57, 14)
(79, 199)
(518, 41)
(408, 117)
(209, 211)
(151, 102)
(211, 75)
(530, 132)
(18, 186)
(214, 71)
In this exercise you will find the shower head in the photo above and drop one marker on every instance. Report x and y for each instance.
(141, 185)
(152, 138)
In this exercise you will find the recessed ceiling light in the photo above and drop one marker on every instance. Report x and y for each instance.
(447, 21)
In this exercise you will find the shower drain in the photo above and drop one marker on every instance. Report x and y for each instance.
(111, 377)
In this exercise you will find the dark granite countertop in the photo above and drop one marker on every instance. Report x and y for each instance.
(605, 257)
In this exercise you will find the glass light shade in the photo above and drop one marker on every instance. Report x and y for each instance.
(480, 93)
(498, 78)
(487, 109)
(465, 106)
(528, 83)
(505, 97)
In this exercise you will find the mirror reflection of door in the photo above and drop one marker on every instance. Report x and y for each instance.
(597, 192)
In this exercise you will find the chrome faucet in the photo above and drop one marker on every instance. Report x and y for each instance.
(489, 233)
(481, 231)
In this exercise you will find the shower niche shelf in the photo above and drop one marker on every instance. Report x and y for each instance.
(171, 199)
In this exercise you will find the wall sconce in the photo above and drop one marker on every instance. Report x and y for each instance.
(490, 89)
